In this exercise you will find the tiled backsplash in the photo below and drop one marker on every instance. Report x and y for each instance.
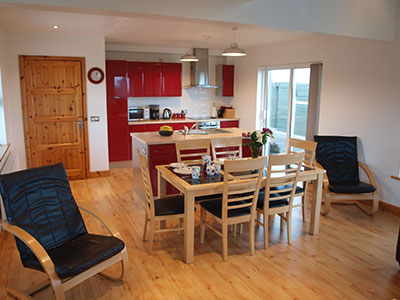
(197, 101)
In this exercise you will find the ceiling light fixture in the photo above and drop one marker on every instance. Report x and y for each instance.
(55, 26)
(234, 50)
(189, 57)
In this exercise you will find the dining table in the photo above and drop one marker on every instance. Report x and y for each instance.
(211, 185)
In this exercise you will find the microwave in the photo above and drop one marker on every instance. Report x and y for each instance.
(138, 113)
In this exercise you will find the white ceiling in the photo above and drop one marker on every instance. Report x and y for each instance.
(143, 30)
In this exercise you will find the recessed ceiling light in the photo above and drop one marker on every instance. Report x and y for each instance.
(55, 26)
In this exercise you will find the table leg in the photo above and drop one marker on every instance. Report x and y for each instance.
(316, 204)
(189, 229)
(161, 193)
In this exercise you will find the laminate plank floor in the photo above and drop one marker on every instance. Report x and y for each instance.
(353, 257)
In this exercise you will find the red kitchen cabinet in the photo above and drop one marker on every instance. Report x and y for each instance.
(171, 79)
(161, 155)
(181, 126)
(229, 124)
(225, 80)
(152, 79)
(117, 110)
(135, 79)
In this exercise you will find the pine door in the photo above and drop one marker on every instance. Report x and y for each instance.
(53, 90)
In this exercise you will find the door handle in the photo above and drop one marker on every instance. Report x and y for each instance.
(79, 124)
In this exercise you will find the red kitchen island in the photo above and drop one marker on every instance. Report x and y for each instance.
(160, 150)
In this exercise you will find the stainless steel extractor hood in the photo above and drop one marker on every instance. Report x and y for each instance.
(199, 70)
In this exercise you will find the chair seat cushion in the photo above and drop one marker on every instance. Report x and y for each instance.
(272, 203)
(79, 254)
(299, 190)
(215, 207)
(170, 205)
(355, 188)
(208, 197)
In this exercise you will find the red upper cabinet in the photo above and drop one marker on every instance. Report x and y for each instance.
(225, 80)
(171, 79)
(117, 110)
(135, 79)
(152, 79)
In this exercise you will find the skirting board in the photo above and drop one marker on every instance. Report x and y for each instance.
(389, 208)
(95, 174)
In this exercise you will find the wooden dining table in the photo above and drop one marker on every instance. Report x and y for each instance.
(210, 186)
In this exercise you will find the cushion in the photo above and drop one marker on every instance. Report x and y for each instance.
(357, 188)
(272, 203)
(79, 254)
(170, 205)
(208, 197)
(215, 208)
(299, 190)
(40, 201)
(338, 156)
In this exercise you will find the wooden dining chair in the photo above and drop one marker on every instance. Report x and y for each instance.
(242, 182)
(191, 151)
(160, 209)
(224, 148)
(308, 147)
(282, 174)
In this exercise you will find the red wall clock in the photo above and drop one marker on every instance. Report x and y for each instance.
(95, 75)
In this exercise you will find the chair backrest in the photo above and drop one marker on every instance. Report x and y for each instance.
(226, 147)
(40, 201)
(148, 191)
(282, 173)
(307, 146)
(242, 182)
(338, 155)
(192, 150)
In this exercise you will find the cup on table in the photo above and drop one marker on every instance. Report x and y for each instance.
(195, 172)
(206, 159)
(210, 170)
(217, 168)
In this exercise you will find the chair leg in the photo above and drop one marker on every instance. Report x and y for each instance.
(251, 235)
(124, 268)
(270, 221)
(202, 225)
(281, 216)
(258, 218)
(327, 203)
(303, 207)
(266, 229)
(375, 203)
(289, 226)
(152, 229)
(225, 241)
(241, 228)
(180, 225)
(234, 230)
(145, 227)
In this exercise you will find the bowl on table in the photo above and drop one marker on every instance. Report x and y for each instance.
(165, 133)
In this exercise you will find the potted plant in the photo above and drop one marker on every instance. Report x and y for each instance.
(256, 140)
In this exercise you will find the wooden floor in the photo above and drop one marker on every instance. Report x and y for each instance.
(353, 257)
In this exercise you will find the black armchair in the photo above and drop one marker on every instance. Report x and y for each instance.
(338, 156)
(51, 236)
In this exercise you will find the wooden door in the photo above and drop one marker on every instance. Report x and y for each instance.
(54, 107)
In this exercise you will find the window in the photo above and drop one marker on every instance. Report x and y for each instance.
(287, 103)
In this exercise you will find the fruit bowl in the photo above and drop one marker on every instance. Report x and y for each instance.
(165, 132)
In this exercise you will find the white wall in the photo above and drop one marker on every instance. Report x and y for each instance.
(3, 135)
(359, 95)
(198, 101)
(54, 44)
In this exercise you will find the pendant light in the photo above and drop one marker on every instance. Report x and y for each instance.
(189, 57)
(234, 50)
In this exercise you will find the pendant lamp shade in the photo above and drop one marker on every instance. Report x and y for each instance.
(189, 57)
(234, 50)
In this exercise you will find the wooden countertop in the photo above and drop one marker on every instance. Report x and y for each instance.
(154, 138)
(188, 120)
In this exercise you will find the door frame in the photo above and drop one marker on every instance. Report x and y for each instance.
(25, 118)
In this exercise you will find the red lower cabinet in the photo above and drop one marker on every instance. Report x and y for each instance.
(161, 155)
(229, 124)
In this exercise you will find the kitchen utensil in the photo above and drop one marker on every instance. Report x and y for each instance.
(167, 113)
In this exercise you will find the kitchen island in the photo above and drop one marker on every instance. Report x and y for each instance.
(160, 150)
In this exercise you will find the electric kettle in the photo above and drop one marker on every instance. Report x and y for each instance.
(167, 113)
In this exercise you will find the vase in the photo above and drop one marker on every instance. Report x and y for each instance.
(255, 152)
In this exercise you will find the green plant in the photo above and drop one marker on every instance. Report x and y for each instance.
(257, 139)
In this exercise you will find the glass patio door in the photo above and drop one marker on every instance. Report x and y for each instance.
(286, 107)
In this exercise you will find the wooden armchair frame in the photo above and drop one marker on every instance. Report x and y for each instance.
(61, 286)
(329, 196)
(202, 145)
(217, 144)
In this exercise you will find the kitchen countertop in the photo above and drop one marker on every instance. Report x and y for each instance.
(187, 120)
(154, 138)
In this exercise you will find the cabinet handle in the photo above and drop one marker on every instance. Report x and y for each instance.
(116, 97)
